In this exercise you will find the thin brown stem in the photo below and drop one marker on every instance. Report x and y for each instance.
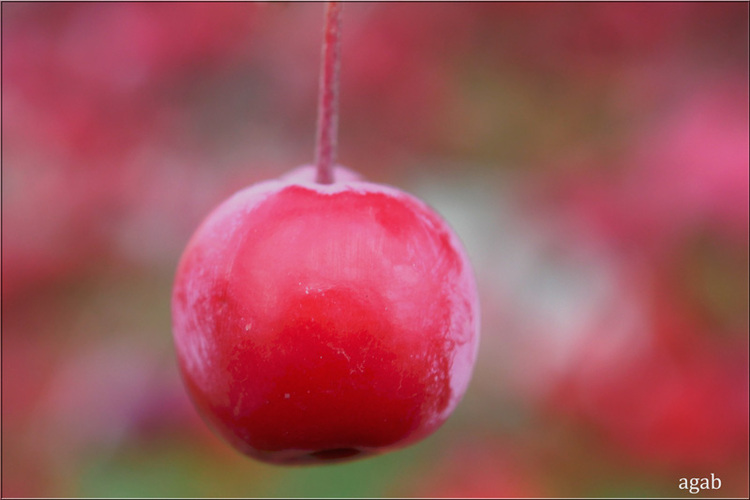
(325, 152)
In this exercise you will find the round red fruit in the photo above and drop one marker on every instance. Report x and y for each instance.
(322, 322)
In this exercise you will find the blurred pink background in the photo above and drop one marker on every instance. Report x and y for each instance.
(593, 157)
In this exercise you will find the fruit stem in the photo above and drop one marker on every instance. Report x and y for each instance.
(325, 152)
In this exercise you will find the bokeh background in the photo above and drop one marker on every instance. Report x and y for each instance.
(593, 157)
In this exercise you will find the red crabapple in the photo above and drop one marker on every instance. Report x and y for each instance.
(319, 322)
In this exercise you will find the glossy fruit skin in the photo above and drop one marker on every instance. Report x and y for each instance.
(317, 323)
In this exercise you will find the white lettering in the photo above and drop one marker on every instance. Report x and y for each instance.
(695, 484)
